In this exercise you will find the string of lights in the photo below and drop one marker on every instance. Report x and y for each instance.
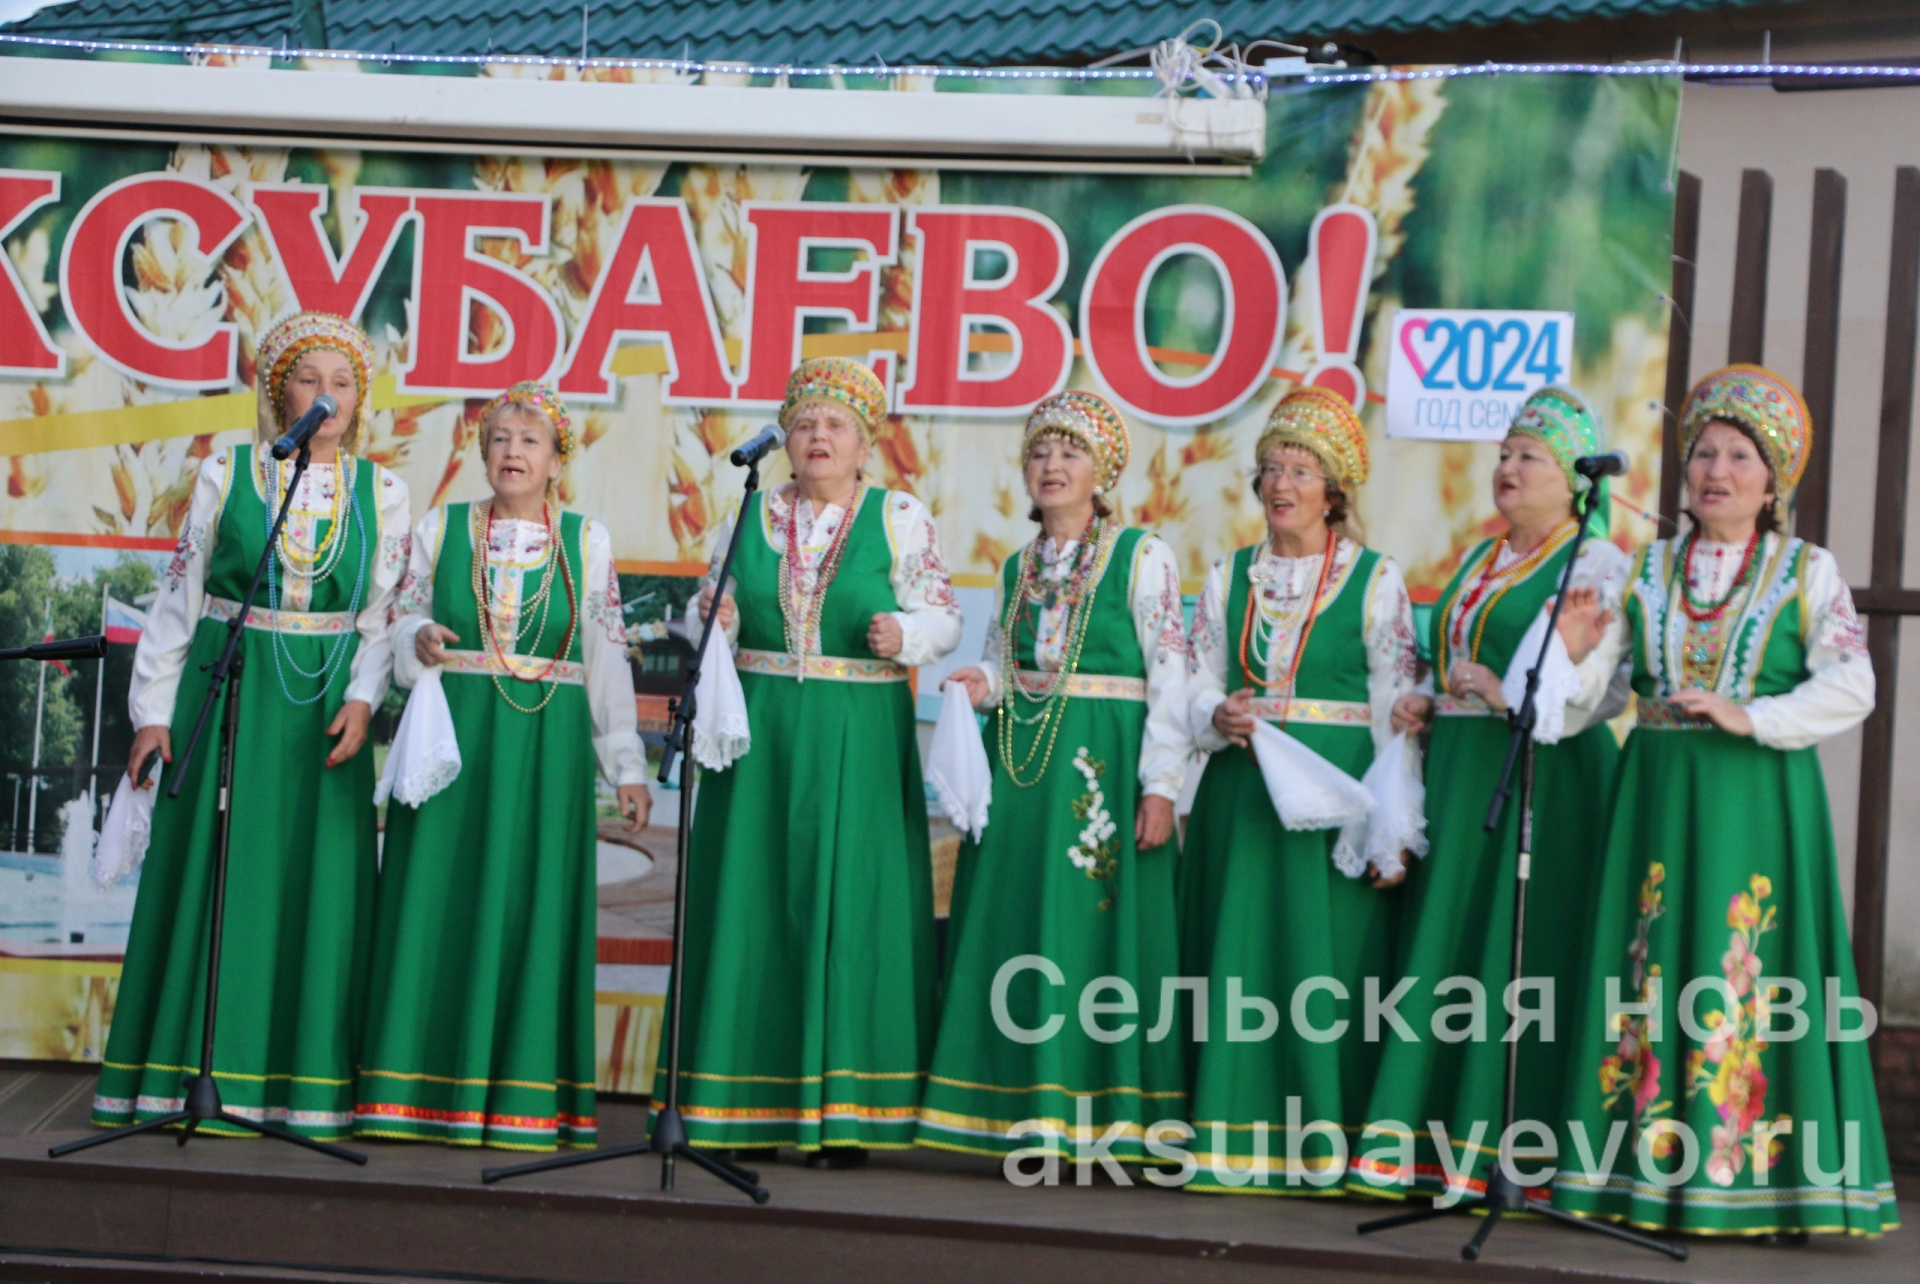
(1250, 75)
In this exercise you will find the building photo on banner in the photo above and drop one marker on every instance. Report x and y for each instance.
(1193, 231)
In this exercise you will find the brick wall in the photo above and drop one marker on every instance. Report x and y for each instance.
(1899, 1076)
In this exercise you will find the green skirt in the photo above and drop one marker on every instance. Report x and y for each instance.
(1720, 869)
(1018, 892)
(299, 906)
(1457, 920)
(810, 967)
(1264, 907)
(480, 1018)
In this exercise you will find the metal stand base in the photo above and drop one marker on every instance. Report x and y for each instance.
(1504, 1197)
(669, 1141)
(203, 1107)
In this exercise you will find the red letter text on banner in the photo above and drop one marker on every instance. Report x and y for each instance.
(1113, 313)
(321, 281)
(97, 305)
(25, 346)
(652, 288)
(451, 277)
(782, 290)
(948, 302)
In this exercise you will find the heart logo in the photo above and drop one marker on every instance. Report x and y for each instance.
(1407, 332)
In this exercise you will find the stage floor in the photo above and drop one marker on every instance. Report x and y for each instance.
(147, 1210)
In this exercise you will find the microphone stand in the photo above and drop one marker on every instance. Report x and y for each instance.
(668, 1138)
(1504, 1195)
(202, 1103)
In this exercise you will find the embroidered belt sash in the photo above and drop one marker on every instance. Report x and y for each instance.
(316, 623)
(833, 668)
(1339, 713)
(1453, 706)
(570, 672)
(1091, 686)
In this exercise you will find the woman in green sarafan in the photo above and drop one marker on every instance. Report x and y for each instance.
(1743, 1102)
(1312, 632)
(1458, 914)
(810, 968)
(480, 1026)
(316, 655)
(1086, 662)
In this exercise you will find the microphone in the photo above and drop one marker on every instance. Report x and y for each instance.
(92, 648)
(771, 438)
(1612, 464)
(323, 409)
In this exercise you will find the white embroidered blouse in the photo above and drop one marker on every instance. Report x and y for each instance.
(162, 653)
(518, 548)
(1159, 624)
(929, 613)
(1838, 692)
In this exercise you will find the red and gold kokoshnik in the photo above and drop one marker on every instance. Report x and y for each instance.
(1323, 423)
(836, 381)
(530, 394)
(1089, 420)
(303, 332)
(1762, 401)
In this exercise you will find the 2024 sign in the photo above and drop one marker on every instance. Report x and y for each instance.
(1461, 375)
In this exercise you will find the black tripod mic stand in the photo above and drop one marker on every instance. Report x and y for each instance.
(1504, 1195)
(202, 1105)
(669, 1134)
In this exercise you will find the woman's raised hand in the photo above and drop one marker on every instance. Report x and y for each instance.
(1583, 622)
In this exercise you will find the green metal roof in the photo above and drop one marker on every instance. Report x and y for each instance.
(797, 32)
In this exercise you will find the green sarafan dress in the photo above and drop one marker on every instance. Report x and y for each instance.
(1743, 1102)
(810, 960)
(1457, 917)
(1056, 876)
(1265, 913)
(480, 1021)
(301, 872)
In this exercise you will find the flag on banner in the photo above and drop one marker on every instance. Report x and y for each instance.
(123, 623)
(65, 672)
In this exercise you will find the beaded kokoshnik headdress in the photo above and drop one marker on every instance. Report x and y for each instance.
(1324, 424)
(280, 352)
(1091, 422)
(540, 399)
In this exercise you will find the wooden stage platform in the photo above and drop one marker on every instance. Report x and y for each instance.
(147, 1211)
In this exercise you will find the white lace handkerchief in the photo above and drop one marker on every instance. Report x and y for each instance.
(1309, 792)
(721, 735)
(957, 765)
(424, 757)
(129, 824)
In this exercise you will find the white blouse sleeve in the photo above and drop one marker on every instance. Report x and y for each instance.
(1159, 623)
(1392, 656)
(603, 650)
(996, 643)
(412, 608)
(1572, 697)
(1838, 694)
(1207, 660)
(696, 623)
(929, 612)
(372, 665)
(162, 653)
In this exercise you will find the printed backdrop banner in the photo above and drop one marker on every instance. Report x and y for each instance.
(669, 301)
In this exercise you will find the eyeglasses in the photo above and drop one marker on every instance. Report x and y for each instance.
(1298, 474)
